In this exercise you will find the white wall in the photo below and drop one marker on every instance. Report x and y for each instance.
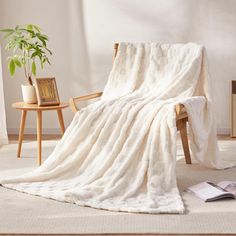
(208, 22)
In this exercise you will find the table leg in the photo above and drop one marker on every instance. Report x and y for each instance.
(39, 136)
(21, 131)
(61, 120)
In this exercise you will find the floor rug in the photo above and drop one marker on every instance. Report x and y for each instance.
(25, 214)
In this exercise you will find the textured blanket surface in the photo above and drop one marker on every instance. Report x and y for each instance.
(120, 152)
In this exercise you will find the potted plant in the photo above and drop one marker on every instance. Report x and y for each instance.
(28, 47)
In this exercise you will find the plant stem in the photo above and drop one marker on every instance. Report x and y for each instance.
(28, 66)
(27, 73)
(30, 80)
(25, 67)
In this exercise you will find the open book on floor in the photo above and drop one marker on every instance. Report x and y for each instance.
(210, 192)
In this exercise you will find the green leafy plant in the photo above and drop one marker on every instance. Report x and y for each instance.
(28, 45)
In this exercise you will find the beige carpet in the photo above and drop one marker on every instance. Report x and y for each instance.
(22, 213)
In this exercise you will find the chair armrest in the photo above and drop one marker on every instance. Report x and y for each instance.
(74, 100)
(179, 108)
(180, 112)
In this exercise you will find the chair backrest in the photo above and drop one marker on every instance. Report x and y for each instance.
(179, 107)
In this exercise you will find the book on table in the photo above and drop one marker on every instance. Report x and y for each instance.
(208, 191)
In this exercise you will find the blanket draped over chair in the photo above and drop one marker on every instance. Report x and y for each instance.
(119, 153)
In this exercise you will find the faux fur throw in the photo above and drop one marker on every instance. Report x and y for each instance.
(119, 153)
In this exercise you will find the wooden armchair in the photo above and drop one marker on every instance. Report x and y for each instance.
(181, 115)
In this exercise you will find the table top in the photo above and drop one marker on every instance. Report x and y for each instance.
(36, 107)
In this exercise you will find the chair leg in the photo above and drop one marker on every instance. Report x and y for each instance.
(184, 138)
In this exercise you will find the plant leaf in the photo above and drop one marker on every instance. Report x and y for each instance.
(33, 67)
(7, 30)
(17, 62)
(50, 52)
(37, 28)
(11, 67)
(48, 61)
(44, 36)
(42, 39)
(29, 31)
(34, 54)
(29, 27)
(26, 44)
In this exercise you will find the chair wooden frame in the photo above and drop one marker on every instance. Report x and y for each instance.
(181, 115)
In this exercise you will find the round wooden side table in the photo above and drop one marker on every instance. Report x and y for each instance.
(25, 107)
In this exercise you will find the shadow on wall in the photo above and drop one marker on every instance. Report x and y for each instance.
(78, 53)
(207, 22)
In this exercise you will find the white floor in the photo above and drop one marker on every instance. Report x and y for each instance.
(22, 213)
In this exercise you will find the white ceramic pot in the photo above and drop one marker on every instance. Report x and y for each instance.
(29, 93)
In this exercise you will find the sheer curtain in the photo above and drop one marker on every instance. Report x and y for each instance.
(3, 129)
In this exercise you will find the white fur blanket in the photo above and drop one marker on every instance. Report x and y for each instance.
(120, 153)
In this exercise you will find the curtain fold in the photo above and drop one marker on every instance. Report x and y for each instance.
(3, 128)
